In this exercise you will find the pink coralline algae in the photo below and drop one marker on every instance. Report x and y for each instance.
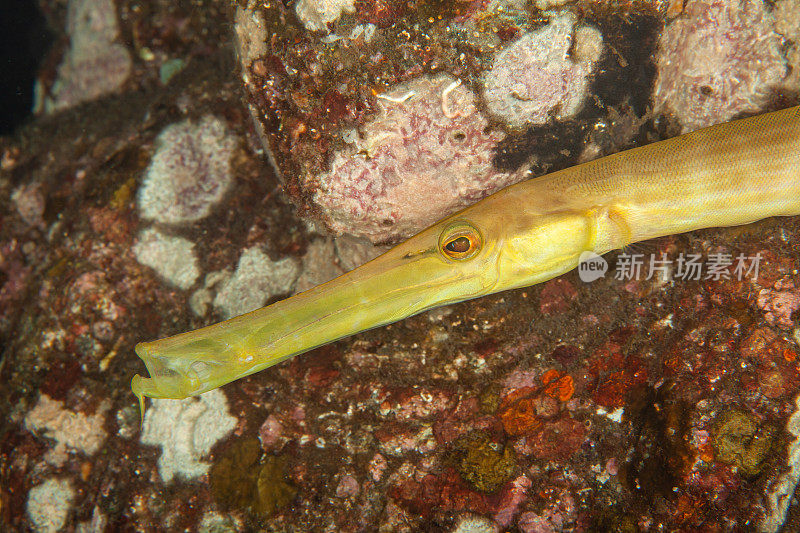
(414, 403)
(398, 438)
(557, 513)
(779, 303)
(425, 155)
(95, 64)
(545, 523)
(347, 487)
(511, 501)
(465, 417)
(718, 60)
(189, 173)
(556, 440)
(787, 23)
(544, 72)
(556, 296)
(271, 434)
(377, 466)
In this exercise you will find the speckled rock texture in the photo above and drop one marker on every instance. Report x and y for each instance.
(613, 405)
(718, 59)
(432, 106)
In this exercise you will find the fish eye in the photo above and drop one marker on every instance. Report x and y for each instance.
(460, 241)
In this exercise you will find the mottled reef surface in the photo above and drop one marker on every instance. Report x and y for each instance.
(190, 161)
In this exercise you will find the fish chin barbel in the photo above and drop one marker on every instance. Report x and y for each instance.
(725, 175)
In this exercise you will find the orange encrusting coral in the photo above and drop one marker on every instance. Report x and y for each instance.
(523, 410)
(558, 385)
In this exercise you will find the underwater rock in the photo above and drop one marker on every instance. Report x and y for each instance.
(779, 303)
(315, 15)
(718, 60)
(71, 430)
(398, 175)
(255, 280)
(95, 63)
(387, 131)
(787, 23)
(403, 427)
(779, 496)
(319, 265)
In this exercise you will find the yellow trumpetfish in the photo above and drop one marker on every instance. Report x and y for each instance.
(724, 175)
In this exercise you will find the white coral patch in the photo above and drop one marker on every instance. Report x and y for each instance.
(779, 494)
(213, 522)
(95, 64)
(317, 14)
(256, 279)
(427, 153)
(787, 19)
(186, 430)
(536, 76)
(172, 258)
(471, 523)
(69, 429)
(787, 23)
(48, 504)
(719, 59)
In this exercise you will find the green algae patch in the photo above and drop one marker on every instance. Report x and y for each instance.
(273, 490)
(242, 479)
(482, 462)
(740, 441)
(616, 520)
(489, 399)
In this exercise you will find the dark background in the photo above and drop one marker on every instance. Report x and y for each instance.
(24, 41)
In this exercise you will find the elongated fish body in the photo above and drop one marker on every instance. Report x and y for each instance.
(725, 175)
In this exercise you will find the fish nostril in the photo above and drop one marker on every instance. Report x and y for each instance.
(199, 370)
